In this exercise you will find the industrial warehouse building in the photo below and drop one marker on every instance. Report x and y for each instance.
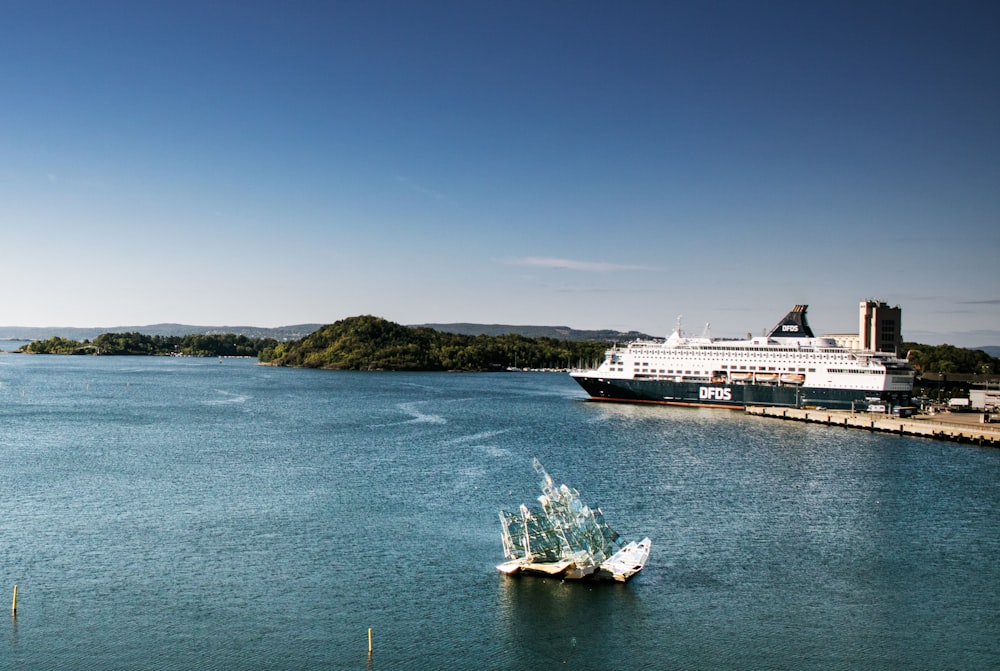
(985, 398)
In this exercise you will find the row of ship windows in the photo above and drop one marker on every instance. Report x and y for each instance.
(738, 350)
(854, 370)
(790, 370)
(701, 351)
(662, 371)
(757, 354)
(741, 368)
(798, 359)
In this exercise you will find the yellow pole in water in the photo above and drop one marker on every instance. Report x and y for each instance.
(13, 606)
(369, 641)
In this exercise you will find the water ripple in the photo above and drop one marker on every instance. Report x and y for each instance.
(245, 517)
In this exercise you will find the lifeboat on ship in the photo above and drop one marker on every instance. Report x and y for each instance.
(767, 377)
(793, 378)
(741, 376)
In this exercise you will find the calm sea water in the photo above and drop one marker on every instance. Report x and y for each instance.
(191, 514)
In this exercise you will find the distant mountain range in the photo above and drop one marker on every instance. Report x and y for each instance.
(298, 331)
(557, 332)
(79, 334)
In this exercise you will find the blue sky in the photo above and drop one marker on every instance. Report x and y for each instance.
(594, 165)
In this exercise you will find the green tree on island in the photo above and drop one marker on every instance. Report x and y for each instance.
(372, 343)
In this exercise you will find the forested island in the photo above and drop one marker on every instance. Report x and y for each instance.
(372, 343)
(355, 343)
(154, 345)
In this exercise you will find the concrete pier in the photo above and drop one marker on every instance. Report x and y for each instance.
(957, 428)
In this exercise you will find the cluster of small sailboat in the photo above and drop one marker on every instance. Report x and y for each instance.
(563, 537)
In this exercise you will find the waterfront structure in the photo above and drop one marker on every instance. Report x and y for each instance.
(787, 367)
(985, 398)
(847, 340)
(880, 327)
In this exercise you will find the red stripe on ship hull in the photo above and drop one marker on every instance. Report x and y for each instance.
(689, 404)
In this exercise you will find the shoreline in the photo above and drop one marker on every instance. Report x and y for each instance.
(956, 429)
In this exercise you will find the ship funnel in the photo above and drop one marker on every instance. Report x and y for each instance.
(794, 325)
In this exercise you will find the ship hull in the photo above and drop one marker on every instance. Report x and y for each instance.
(737, 396)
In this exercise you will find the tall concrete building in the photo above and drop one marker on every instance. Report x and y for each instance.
(881, 327)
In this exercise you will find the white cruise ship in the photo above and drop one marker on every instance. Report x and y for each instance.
(788, 367)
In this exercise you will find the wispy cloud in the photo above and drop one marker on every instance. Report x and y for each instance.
(423, 191)
(572, 264)
(992, 301)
